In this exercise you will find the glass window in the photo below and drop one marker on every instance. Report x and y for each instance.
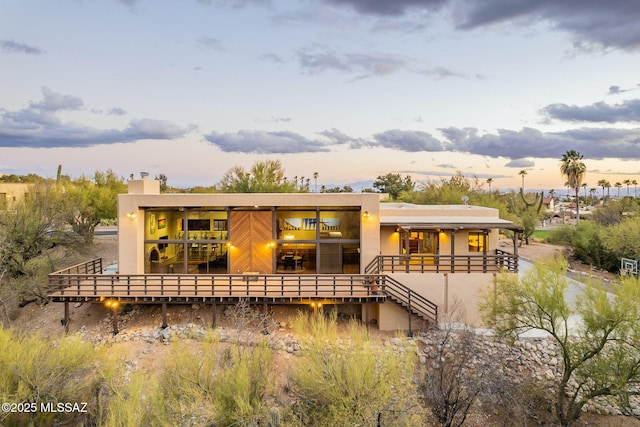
(342, 224)
(296, 258)
(477, 241)
(186, 240)
(296, 224)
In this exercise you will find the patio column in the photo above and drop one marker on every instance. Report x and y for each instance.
(515, 250)
(164, 315)
(213, 315)
(485, 236)
(65, 322)
(453, 250)
(114, 311)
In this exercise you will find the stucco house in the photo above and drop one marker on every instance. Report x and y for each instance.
(13, 192)
(400, 264)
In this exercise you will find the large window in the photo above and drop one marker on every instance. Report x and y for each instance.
(318, 240)
(186, 240)
(307, 240)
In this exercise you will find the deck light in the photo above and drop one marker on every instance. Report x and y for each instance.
(366, 214)
(132, 215)
(111, 304)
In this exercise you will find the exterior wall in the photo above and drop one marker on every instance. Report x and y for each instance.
(131, 228)
(389, 241)
(13, 192)
(444, 290)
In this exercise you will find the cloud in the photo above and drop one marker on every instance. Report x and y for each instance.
(389, 8)
(211, 44)
(595, 143)
(116, 111)
(590, 22)
(12, 46)
(520, 163)
(411, 141)
(38, 126)
(272, 57)
(617, 90)
(53, 101)
(260, 142)
(627, 111)
(339, 138)
(236, 4)
(316, 59)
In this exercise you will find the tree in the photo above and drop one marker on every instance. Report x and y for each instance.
(343, 189)
(572, 167)
(627, 182)
(604, 184)
(89, 202)
(163, 182)
(600, 354)
(456, 374)
(489, 181)
(263, 177)
(315, 179)
(28, 235)
(618, 185)
(393, 184)
(635, 187)
(523, 172)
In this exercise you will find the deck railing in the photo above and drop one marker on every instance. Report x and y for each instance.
(64, 285)
(435, 263)
(412, 301)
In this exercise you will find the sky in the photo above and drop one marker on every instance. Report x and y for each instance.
(347, 89)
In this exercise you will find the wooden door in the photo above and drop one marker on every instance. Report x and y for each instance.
(251, 233)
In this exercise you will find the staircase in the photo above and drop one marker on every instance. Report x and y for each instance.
(405, 297)
(411, 301)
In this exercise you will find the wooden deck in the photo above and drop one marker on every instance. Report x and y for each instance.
(74, 284)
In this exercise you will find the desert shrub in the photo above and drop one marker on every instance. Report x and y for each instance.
(525, 403)
(350, 381)
(217, 384)
(124, 398)
(588, 242)
(36, 371)
(621, 240)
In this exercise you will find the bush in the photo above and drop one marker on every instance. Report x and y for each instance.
(35, 371)
(124, 399)
(217, 384)
(350, 382)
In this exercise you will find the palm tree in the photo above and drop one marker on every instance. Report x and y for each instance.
(618, 185)
(592, 192)
(635, 187)
(584, 185)
(315, 179)
(523, 172)
(603, 183)
(627, 182)
(552, 194)
(574, 170)
(489, 181)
